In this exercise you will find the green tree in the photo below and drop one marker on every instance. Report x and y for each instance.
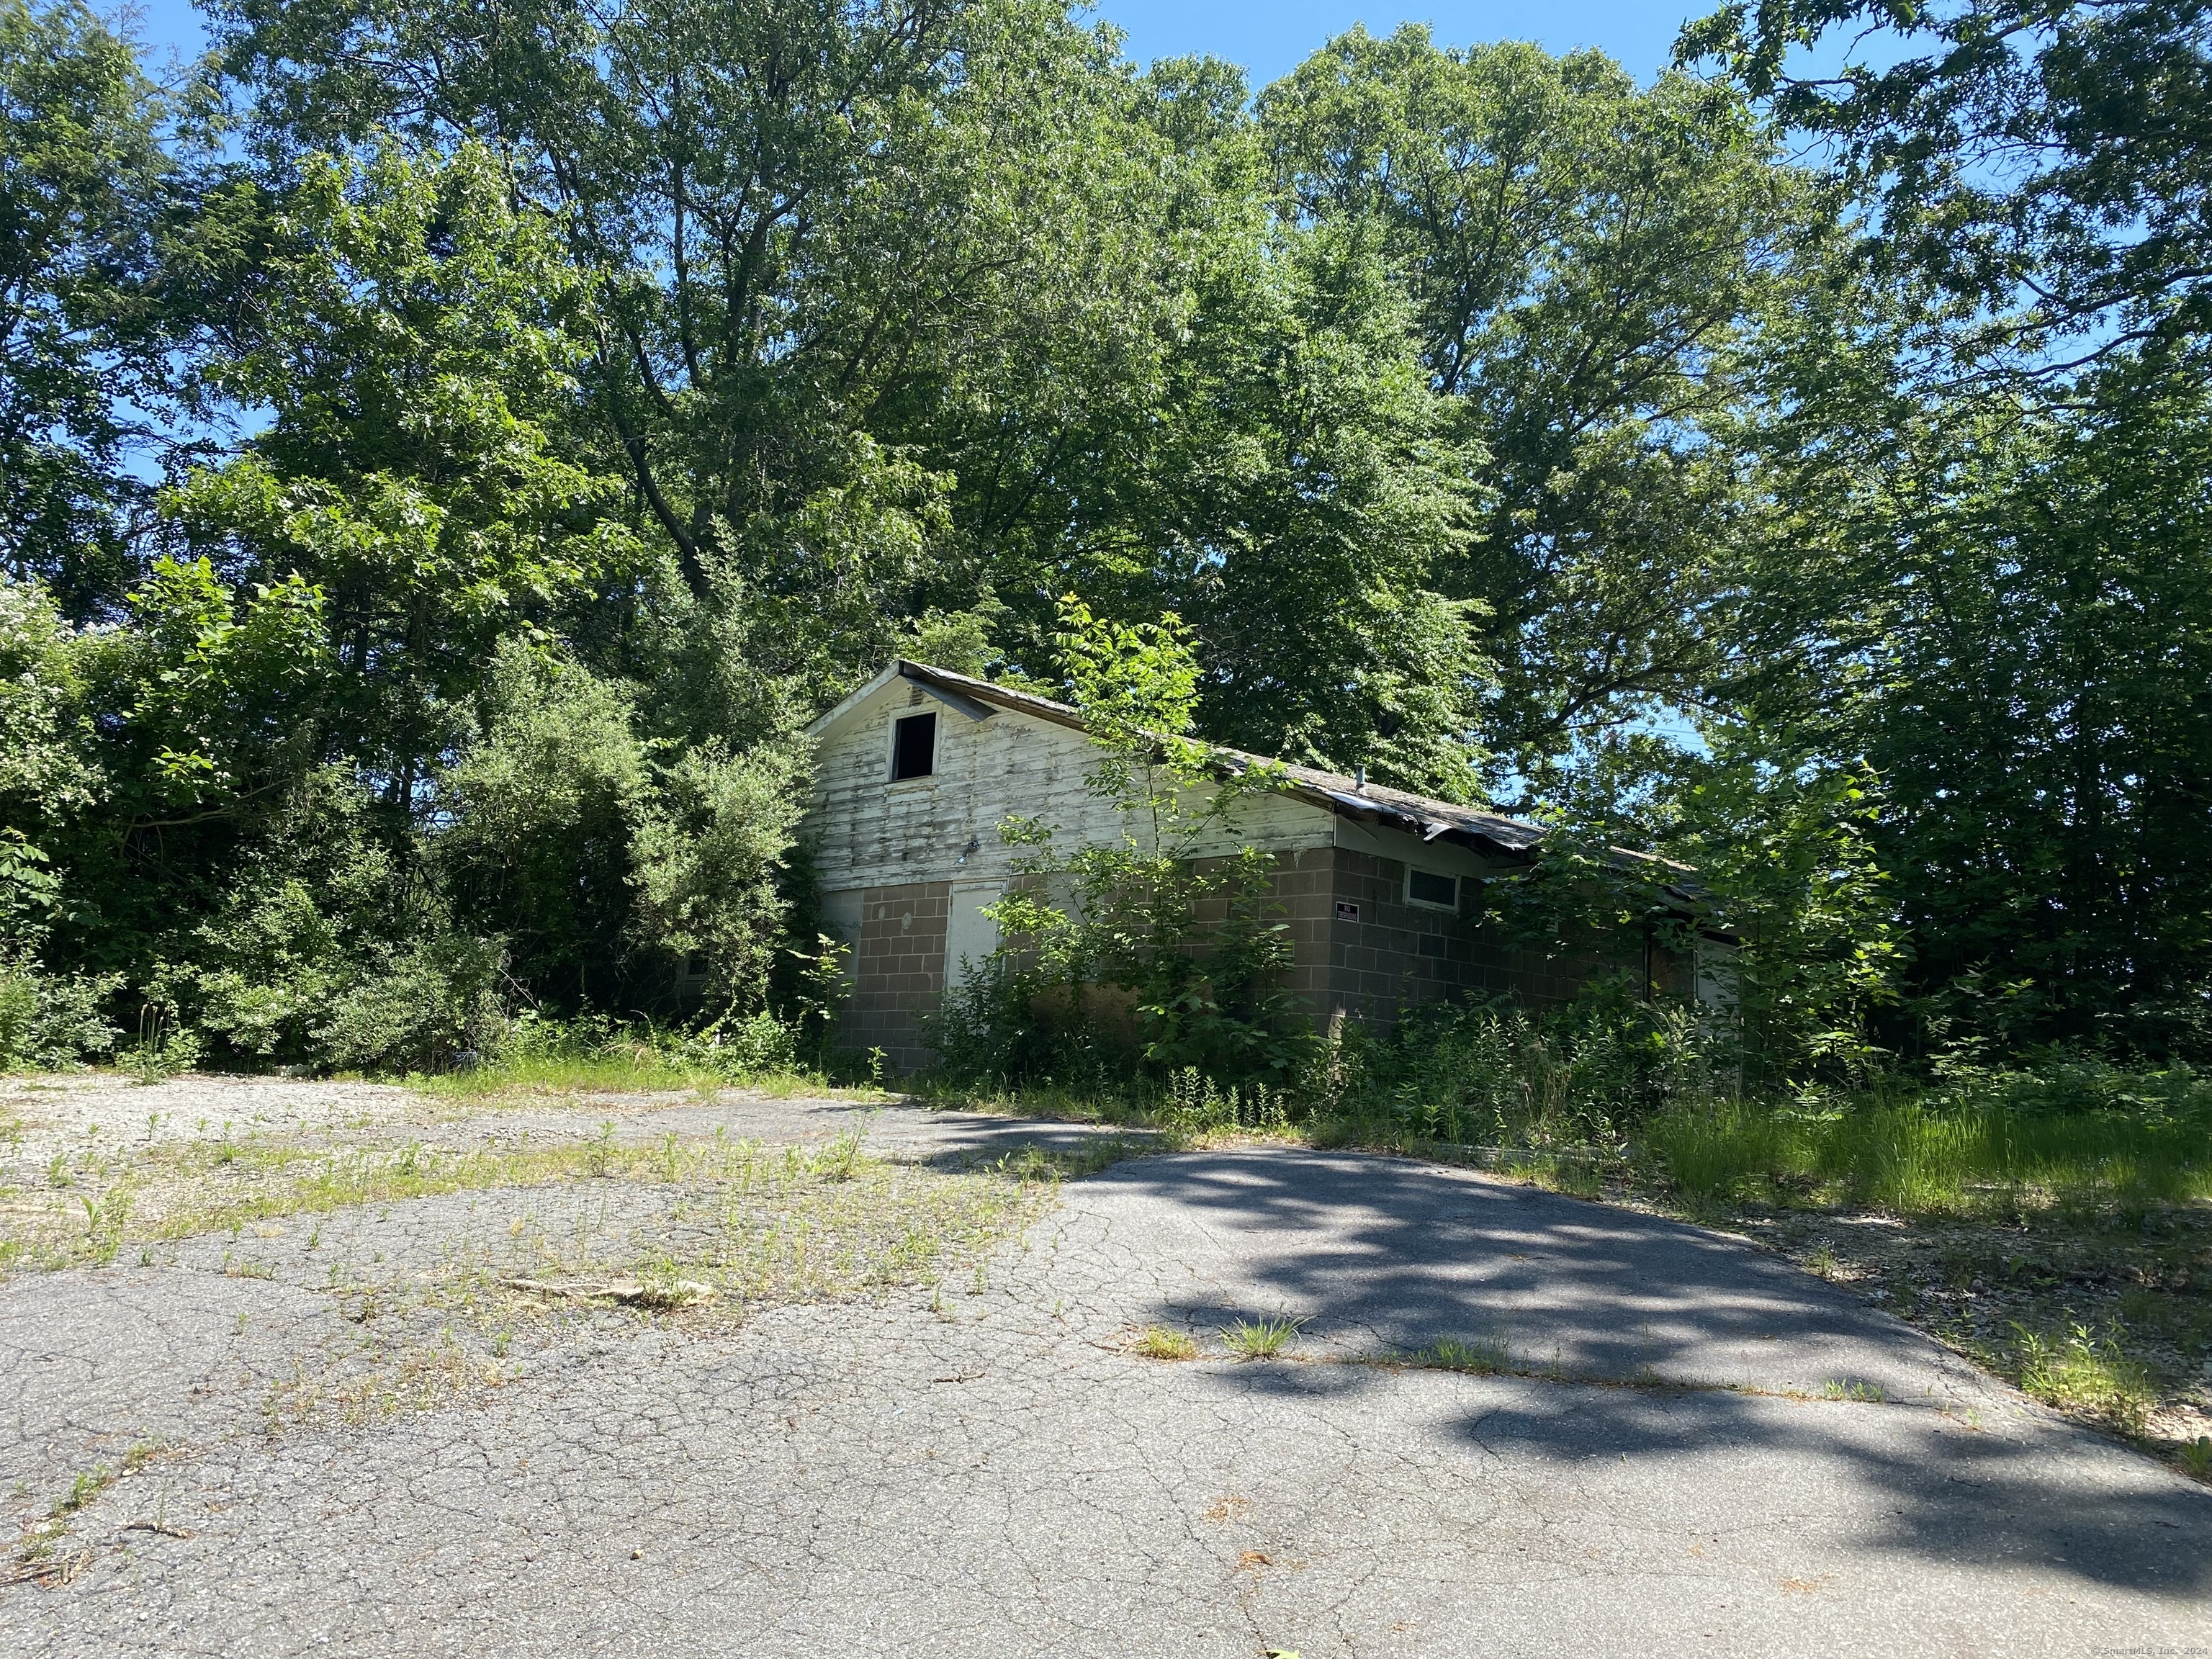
(2025, 663)
(1306, 493)
(1589, 265)
(417, 338)
(799, 220)
(2041, 163)
(85, 325)
(539, 811)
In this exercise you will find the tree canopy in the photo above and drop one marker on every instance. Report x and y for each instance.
(447, 451)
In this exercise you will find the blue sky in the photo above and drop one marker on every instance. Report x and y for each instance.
(1267, 37)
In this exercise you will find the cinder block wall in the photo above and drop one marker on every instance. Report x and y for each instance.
(898, 970)
(1394, 955)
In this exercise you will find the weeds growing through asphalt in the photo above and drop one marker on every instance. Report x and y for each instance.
(703, 1230)
(2195, 1458)
(36, 1555)
(1842, 1389)
(1155, 1343)
(172, 1192)
(617, 1059)
(1476, 1358)
(1262, 1338)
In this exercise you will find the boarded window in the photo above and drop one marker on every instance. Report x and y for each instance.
(913, 747)
(1427, 887)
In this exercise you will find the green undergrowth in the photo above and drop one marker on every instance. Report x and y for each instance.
(597, 1055)
(649, 1072)
(2078, 1142)
(1967, 1153)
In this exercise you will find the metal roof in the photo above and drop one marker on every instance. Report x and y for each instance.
(1397, 809)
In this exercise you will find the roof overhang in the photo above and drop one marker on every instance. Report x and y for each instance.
(1491, 834)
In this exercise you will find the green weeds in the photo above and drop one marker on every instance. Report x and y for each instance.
(1967, 1157)
(1262, 1338)
(2088, 1375)
(1474, 1358)
(2195, 1458)
(602, 1056)
(40, 1538)
(1194, 1106)
(1844, 1389)
(1155, 1343)
(174, 1192)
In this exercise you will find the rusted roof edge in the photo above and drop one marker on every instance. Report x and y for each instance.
(1419, 815)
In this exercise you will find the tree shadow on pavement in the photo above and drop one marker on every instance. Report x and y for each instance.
(1385, 1255)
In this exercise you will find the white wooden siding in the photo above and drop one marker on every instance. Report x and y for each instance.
(871, 832)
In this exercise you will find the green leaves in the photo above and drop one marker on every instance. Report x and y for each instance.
(416, 342)
(477, 464)
(220, 706)
(706, 862)
(84, 326)
(1134, 685)
(2039, 165)
(1163, 946)
(1587, 263)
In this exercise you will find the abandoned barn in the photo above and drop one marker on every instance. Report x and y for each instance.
(916, 770)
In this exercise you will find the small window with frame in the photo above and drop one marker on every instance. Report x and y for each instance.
(913, 747)
(1432, 890)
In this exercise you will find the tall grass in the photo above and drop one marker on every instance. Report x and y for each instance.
(1995, 1143)
(602, 1055)
(1612, 1082)
(1576, 1079)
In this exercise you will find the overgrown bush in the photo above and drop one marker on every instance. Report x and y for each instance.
(54, 1022)
(47, 1020)
(1580, 1077)
(532, 1050)
(1161, 950)
(327, 951)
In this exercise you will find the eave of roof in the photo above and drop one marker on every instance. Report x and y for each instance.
(1418, 815)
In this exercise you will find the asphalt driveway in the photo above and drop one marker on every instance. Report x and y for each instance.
(1692, 1449)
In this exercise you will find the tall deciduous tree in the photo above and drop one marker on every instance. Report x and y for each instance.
(2017, 632)
(2043, 162)
(85, 185)
(417, 338)
(1586, 260)
(804, 222)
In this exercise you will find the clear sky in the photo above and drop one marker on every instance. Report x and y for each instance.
(1267, 37)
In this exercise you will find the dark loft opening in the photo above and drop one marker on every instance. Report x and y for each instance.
(1427, 887)
(913, 747)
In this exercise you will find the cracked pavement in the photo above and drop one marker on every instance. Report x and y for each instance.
(983, 1469)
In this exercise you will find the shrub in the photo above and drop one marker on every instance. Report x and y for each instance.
(52, 1022)
(1498, 1074)
(758, 1045)
(1164, 949)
